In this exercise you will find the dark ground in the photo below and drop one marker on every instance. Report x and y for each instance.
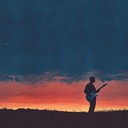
(54, 119)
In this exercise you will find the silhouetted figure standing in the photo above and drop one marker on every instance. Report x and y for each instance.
(89, 89)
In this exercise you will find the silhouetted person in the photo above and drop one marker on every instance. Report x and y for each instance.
(90, 88)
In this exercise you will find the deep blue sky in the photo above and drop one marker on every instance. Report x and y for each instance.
(71, 37)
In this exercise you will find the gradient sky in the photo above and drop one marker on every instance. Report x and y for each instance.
(49, 49)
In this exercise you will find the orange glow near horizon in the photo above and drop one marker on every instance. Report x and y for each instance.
(58, 95)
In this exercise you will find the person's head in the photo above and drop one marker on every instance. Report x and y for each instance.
(92, 79)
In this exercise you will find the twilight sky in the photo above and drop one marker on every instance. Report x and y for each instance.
(66, 41)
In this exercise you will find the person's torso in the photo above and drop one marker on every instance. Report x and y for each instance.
(89, 88)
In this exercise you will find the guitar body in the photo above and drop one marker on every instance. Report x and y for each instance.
(91, 96)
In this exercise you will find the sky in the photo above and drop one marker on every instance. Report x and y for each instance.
(48, 47)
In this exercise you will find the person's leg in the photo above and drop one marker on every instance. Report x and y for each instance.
(92, 106)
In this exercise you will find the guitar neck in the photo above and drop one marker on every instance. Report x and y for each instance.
(102, 86)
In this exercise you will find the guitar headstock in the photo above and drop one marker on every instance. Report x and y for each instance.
(104, 84)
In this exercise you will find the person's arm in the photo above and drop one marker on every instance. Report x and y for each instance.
(86, 90)
(98, 90)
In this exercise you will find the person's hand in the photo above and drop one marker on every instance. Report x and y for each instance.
(98, 90)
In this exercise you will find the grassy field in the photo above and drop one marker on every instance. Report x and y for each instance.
(53, 119)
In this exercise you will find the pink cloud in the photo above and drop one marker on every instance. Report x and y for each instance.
(59, 93)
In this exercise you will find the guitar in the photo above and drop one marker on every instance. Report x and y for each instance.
(93, 94)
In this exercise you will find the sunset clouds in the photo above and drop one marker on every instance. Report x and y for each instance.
(49, 49)
(60, 95)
